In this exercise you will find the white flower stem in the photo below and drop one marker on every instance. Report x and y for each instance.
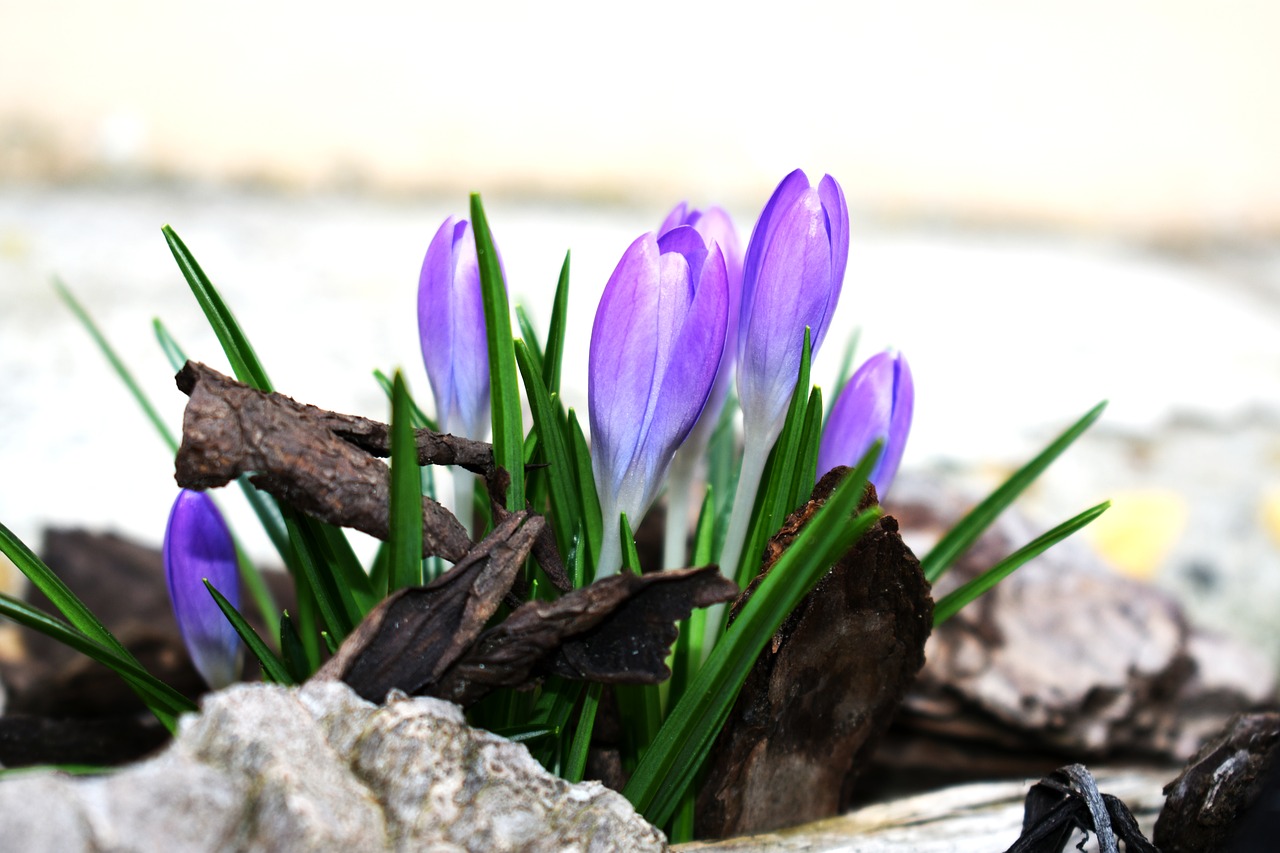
(755, 453)
(610, 544)
(464, 491)
(679, 490)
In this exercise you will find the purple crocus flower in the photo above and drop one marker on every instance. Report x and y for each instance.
(717, 228)
(791, 279)
(656, 343)
(875, 403)
(451, 329)
(197, 545)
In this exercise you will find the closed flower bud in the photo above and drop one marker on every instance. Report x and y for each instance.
(656, 343)
(875, 404)
(198, 546)
(451, 329)
(791, 280)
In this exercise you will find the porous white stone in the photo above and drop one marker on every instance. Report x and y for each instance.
(318, 768)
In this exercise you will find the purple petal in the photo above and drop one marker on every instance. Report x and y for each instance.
(783, 199)
(679, 215)
(792, 290)
(837, 211)
(876, 404)
(451, 328)
(687, 381)
(624, 349)
(197, 545)
(435, 328)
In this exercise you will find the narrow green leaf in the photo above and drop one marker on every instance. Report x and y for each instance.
(530, 336)
(406, 494)
(593, 521)
(688, 649)
(340, 559)
(292, 651)
(952, 603)
(122, 371)
(553, 357)
(420, 419)
(576, 764)
(682, 744)
(272, 667)
(958, 539)
(337, 605)
(58, 593)
(524, 734)
(508, 432)
(168, 345)
(630, 557)
(163, 701)
(244, 361)
(560, 476)
(805, 475)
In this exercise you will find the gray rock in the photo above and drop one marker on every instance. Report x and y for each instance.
(317, 768)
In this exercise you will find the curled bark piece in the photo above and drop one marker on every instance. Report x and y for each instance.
(824, 690)
(408, 640)
(617, 630)
(301, 455)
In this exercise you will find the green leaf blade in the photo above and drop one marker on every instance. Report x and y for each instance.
(960, 537)
(504, 386)
(953, 602)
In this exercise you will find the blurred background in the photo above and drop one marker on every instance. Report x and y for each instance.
(1053, 202)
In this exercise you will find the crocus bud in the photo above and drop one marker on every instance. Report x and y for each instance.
(791, 279)
(197, 545)
(875, 403)
(452, 331)
(656, 343)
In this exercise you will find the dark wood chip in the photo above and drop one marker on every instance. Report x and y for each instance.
(618, 630)
(824, 690)
(409, 640)
(1204, 804)
(319, 462)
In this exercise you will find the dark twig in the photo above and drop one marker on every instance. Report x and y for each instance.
(306, 457)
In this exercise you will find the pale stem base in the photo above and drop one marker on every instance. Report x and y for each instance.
(755, 453)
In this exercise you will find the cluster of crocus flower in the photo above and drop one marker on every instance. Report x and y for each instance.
(791, 279)
(198, 547)
(682, 316)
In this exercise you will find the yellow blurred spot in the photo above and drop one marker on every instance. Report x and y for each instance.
(1271, 514)
(13, 245)
(1138, 531)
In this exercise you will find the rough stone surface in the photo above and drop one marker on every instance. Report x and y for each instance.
(1064, 656)
(318, 768)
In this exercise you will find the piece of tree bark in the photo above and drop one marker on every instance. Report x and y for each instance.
(1204, 804)
(412, 637)
(618, 630)
(307, 457)
(823, 690)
